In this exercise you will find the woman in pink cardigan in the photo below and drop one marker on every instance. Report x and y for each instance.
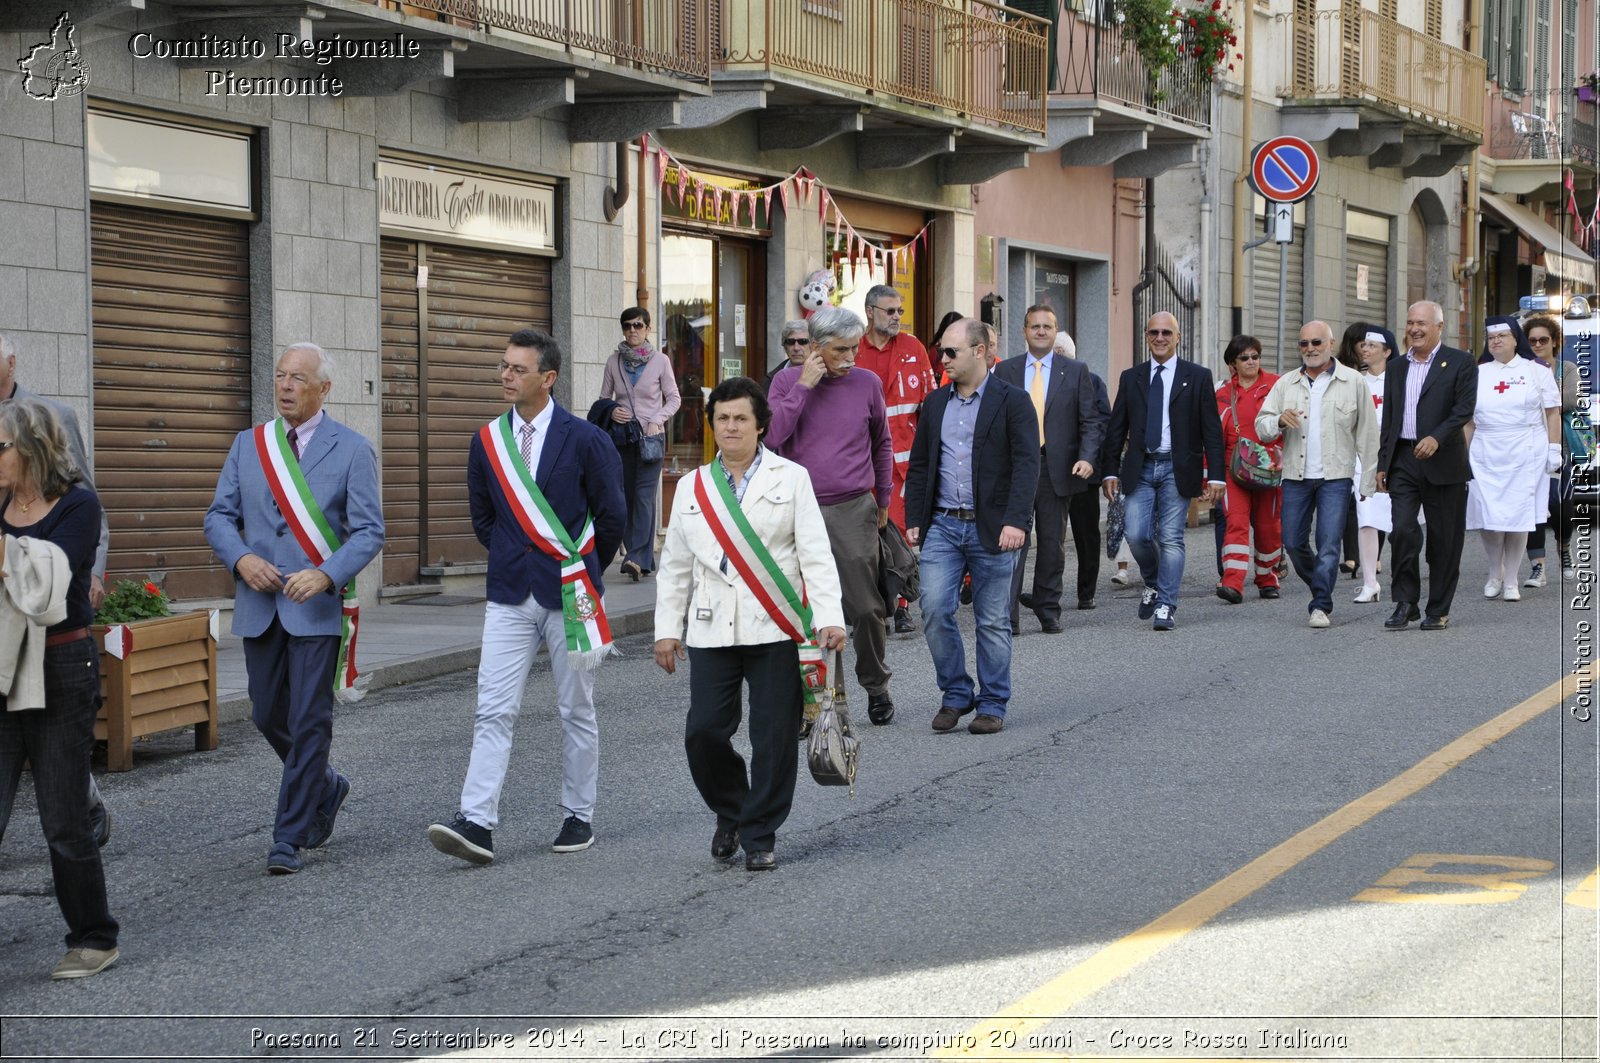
(639, 378)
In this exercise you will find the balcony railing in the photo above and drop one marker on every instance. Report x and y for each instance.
(668, 37)
(1582, 142)
(971, 57)
(1095, 61)
(1355, 55)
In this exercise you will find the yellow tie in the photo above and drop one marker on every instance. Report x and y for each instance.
(1036, 393)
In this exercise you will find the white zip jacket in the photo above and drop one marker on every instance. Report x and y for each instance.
(35, 597)
(1349, 426)
(704, 607)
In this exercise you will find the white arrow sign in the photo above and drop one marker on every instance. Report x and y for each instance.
(1283, 223)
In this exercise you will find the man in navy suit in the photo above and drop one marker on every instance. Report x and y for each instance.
(534, 597)
(1071, 428)
(1166, 415)
(288, 606)
(969, 502)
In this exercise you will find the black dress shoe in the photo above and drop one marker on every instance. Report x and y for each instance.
(1016, 630)
(880, 708)
(1085, 603)
(724, 843)
(1269, 592)
(760, 860)
(1435, 623)
(903, 624)
(1051, 627)
(1404, 613)
(1025, 599)
(1229, 595)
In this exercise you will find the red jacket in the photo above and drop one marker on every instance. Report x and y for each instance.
(902, 368)
(1249, 401)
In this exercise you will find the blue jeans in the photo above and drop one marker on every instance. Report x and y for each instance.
(949, 548)
(1330, 501)
(57, 740)
(641, 480)
(1156, 514)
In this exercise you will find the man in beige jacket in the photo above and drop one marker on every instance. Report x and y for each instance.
(1329, 428)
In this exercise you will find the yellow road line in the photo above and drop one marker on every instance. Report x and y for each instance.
(1065, 991)
(1585, 895)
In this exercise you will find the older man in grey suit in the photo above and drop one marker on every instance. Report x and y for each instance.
(285, 486)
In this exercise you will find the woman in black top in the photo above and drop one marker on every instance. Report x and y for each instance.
(40, 498)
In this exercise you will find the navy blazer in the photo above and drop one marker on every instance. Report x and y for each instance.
(1074, 425)
(1448, 400)
(342, 472)
(1196, 427)
(1005, 461)
(580, 474)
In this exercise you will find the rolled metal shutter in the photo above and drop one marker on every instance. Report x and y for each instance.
(171, 310)
(1265, 297)
(442, 345)
(1374, 309)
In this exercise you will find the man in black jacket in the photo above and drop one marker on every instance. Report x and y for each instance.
(969, 502)
(1428, 397)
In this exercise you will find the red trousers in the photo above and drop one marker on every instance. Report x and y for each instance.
(1260, 510)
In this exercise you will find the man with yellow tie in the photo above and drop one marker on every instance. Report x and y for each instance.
(1072, 423)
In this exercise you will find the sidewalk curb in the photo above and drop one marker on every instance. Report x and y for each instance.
(431, 665)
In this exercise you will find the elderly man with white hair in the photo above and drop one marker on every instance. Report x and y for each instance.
(830, 417)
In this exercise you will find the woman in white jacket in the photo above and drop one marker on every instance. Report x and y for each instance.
(746, 579)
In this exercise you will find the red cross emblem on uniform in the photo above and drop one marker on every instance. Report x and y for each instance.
(1502, 387)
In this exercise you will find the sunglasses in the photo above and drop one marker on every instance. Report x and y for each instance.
(896, 312)
(629, 326)
(952, 352)
(1539, 341)
(1247, 358)
(795, 342)
(1158, 332)
(1311, 343)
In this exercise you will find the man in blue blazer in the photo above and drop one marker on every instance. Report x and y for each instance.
(287, 607)
(579, 475)
(1166, 416)
(969, 502)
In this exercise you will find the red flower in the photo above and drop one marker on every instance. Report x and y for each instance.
(151, 588)
(1216, 5)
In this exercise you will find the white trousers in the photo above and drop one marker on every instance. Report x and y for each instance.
(511, 635)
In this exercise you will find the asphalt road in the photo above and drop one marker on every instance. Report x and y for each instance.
(1108, 877)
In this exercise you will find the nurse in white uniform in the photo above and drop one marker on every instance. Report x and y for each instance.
(1374, 350)
(1514, 441)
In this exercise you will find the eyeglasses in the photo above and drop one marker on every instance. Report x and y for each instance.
(517, 370)
(1540, 341)
(952, 352)
(629, 326)
(795, 342)
(1311, 343)
(896, 312)
(1247, 357)
(1159, 332)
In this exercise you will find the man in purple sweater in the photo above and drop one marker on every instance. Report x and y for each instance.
(829, 416)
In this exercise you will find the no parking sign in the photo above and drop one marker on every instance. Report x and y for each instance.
(1284, 169)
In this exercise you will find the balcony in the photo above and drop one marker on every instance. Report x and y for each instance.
(969, 64)
(1373, 88)
(1529, 155)
(1105, 106)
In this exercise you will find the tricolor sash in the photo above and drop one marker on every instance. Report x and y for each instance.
(588, 631)
(761, 574)
(316, 537)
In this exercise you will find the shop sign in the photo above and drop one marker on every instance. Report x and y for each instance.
(466, 208)
(713, 199)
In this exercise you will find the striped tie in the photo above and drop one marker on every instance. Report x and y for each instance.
(527, 446)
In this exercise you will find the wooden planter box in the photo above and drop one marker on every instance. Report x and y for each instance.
(166, 678)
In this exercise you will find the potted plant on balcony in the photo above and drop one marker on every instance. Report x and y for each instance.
(1163, 35)
(1211, 41)
(1589, 86)
(157, 671)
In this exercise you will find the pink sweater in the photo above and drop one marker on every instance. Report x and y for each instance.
(654, 399)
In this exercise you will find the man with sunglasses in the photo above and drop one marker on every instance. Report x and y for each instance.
(1324, 414)
(969, 501)
(901, 365)
(796, 345)
(1166, 417)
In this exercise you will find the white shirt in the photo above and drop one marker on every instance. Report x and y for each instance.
(1169, 371)
(1319, 390)
(541, 428)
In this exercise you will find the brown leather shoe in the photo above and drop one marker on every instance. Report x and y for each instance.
(947, 718)
(984, 724)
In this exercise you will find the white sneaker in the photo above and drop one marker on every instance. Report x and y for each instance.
(1120, 578)
(1492, 588)
(1535, 575)
(1569, 573)
(1511, 594)
(1367, 594)
(1319, 618)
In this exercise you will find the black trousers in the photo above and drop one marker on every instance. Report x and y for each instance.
(757, 803)
(1051, 515)
(1445, 506)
